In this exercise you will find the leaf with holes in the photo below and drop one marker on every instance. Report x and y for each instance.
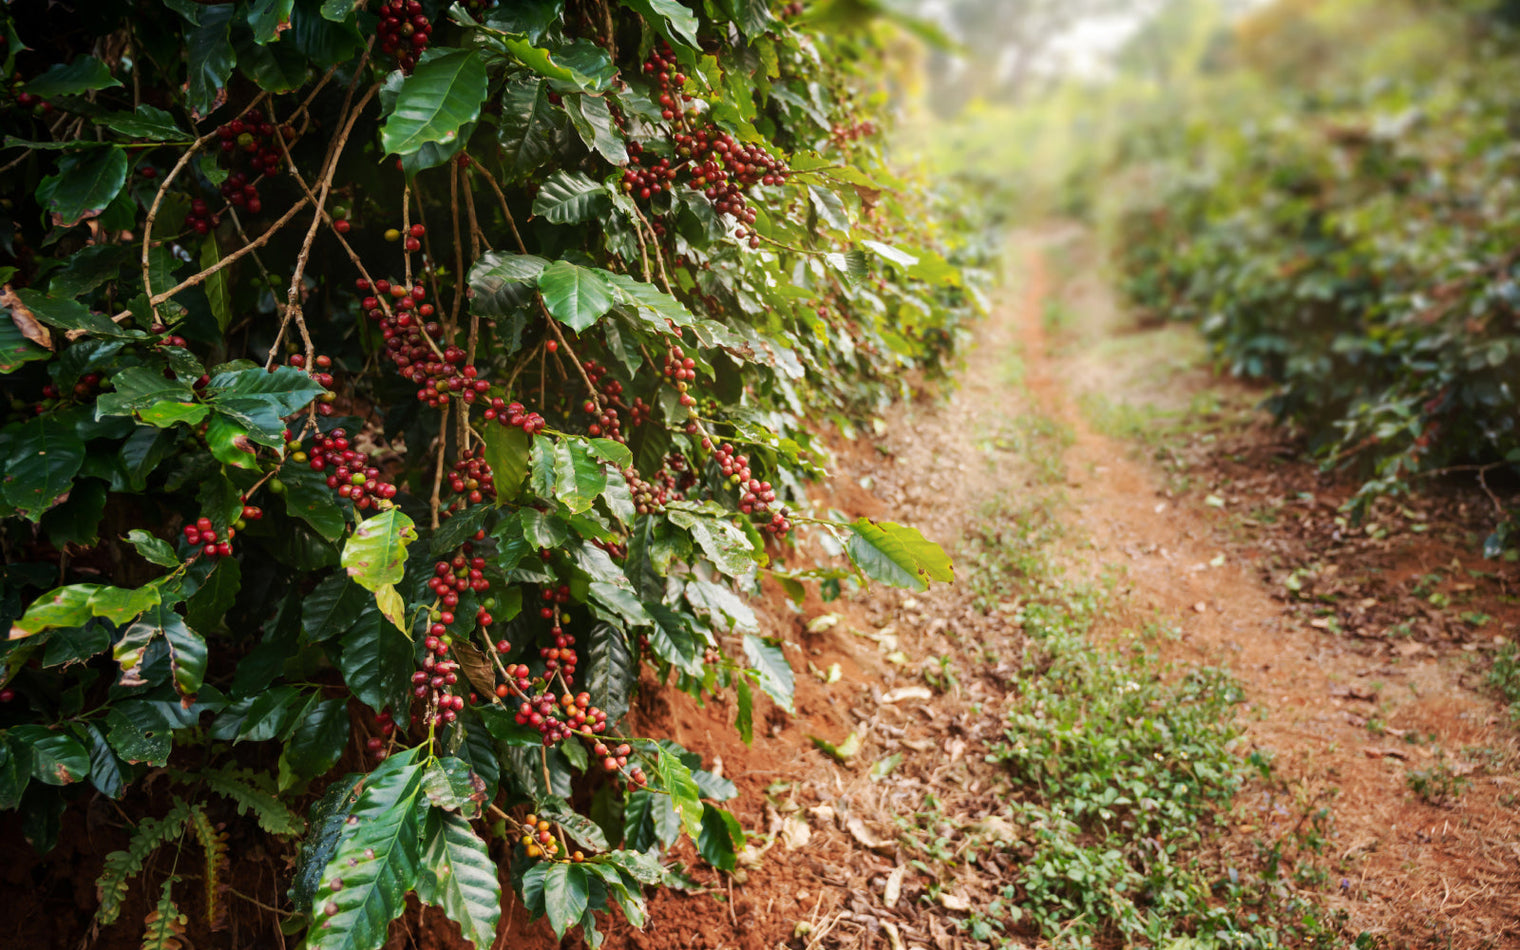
(187, 650)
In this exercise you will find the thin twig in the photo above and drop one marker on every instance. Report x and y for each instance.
(438, 474)
(501, 197)
(227, 261)
(458, 251)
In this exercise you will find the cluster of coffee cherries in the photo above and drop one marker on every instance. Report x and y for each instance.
(36, 103)
(199, 218)
(349, 470)
(514, 415)
(661, 65)
(755, 496)
(438, 371)
(606, 419)
(538, 839)
(561, 657)
(471, 477)
(203, 534)
(843, 134)
(403, 31)
(375, 745)
(682, 370)
(652, 495)
(318, 371)
(432, 682)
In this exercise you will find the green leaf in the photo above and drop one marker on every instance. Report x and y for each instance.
(528, 124)
(890, 254)
(443, 94)
(146, 122)
(376, 662)
(85, 74)
(105, 771)
(744, 718)
(15, 770)
(376, 554)
(507, 452)
(459, 876)
(565, 895)
(42, 460)
(775, 673)
(328, 822)
(376, 861)
(168, 414)
(57, 758)
(229, 443)
(139, 388)
(721, 540)
(70, 315)
(458, 529)
(73, 605)
(320, 736)
(611, 670)
(154, 550)
(592, 120)
(576, 296)
(285, 389)
(308, 498)
(897, 555)
(254, 792)
(187, 650)
(332, 608)
(653, 305)
(211, 58)
(721, 837)
(139, 733)
(569, 198)
(685, 797)
(579, 477)
(541, 477)
(841, 753)
(672, 18)
(15, 349)
(207, 607)
(218, 286)
(268, 17)
(451, 785)
(578, 826)
(501, 282)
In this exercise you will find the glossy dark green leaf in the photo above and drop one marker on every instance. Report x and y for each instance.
(327, 823)
(685, 796)
(565, 893)
(44, 456)
(84, 74)
(57, 757)
(569, 198)
(308, 498)
(268, 17)
(376, 661)
(207, 607)
(611, 670)
(320, 736)
(528, 125)
(187, 649)
(105, 771)
(77, 519)
(507, 452)
(211, 58)
(443, 94)
(376, 862)
(672, 18)
(15, 769)
(576, 296)
(138, 388)
(502, 282)
(720, 839)
(153, 550)
(146, 122)
(593, 123)
(459, 877)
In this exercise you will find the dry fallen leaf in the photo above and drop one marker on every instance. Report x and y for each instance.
(822, 622)
(862, 834)
(894, 886)
(906, 692)
(954, 901)
(24, 319)
(795, 833)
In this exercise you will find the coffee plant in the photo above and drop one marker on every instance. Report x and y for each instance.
(1352, 242)
(395, 391)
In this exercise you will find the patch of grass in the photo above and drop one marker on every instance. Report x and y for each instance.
(1436, 784)
(1121, 770)
(1504, 678)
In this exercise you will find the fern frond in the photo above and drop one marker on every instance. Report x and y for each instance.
(249, 791)
(213, 841)
(122, 866)
(164, 927)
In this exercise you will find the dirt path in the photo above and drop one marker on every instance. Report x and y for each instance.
(915, 840)
(1447, 873)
